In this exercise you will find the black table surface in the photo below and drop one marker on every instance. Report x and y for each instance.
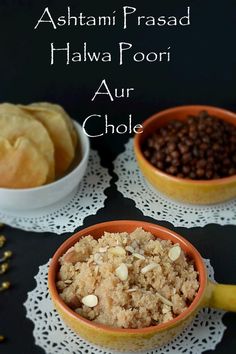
(202, 71)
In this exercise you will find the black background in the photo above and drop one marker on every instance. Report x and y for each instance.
(202, 71)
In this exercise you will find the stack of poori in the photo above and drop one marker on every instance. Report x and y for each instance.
(37, 144)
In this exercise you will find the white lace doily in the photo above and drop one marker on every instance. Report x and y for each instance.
(132, 184)
(50, 333)
(68, 214)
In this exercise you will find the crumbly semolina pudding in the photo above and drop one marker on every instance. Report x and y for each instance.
(127, 280)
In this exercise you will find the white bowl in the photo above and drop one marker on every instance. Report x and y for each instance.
(39, 197)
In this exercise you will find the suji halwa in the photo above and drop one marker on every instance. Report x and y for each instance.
(127, 280)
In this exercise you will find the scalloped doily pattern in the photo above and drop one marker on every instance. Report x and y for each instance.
(67, 215)
(132, 184)
(50, 333)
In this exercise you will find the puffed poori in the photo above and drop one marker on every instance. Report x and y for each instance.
(58, 129)
(21, 153)
(38, 144)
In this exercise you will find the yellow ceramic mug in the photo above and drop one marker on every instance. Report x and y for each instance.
(209, 295)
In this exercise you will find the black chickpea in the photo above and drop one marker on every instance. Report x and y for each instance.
(203, 147)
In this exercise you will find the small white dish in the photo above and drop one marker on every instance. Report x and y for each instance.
(39, 197)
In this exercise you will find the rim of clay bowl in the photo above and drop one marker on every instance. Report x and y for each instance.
(165, 234)
(148, 121)
(86, 146)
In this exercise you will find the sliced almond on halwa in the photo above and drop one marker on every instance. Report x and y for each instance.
(103, 249)
(96, 269)
(131, 290)
(97, 258)
(122, 272)
(130, 249)
(164, 300)
(174, 253)
(166, 309)
(148, 268)
(117, 251)
(90, 300)
(139, 256)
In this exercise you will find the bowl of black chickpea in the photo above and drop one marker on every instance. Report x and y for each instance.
(189, 153)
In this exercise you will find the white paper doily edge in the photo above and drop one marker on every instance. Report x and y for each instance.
(39, 343)
(32, 221)
(196, 215)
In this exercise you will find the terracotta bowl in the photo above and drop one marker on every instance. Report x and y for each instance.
(181, 189)
(209, 294)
